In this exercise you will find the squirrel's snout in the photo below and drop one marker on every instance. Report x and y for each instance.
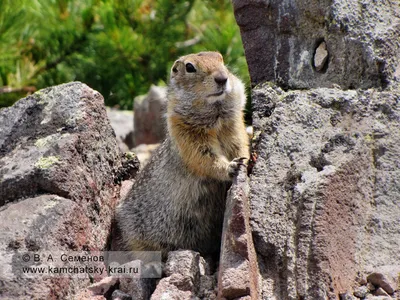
(221, 79)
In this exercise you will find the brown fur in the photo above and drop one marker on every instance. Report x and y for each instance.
(178, 199)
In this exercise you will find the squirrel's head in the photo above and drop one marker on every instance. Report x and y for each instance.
(203, 76)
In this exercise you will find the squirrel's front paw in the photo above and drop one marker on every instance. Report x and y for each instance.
(235, 164)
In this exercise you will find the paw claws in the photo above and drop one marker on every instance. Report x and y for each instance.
(235, 165)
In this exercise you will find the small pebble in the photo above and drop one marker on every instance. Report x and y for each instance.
(320, 57)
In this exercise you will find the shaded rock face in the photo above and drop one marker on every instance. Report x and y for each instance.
(149, 121)
(58, 166)
(325, 189)
(284, 42)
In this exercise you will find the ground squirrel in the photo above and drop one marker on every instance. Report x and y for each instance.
(178, 199)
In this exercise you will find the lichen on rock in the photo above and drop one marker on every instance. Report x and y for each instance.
(46, 162)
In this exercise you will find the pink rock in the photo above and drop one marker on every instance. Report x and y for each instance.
(166, 290)
(238, 269)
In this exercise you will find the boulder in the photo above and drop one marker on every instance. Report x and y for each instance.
(311, 43)
(238, 274)
(324, 194)
(58, 168)
(149, 122)
(59, 141)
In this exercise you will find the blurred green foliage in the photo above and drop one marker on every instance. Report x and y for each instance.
(118, 47)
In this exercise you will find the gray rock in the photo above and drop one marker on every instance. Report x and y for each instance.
(58, 141)
(183, 283)
(361, 292)
(58, 163)
(167, 290)
(184, 262)
(122, 123)
(238, 271)
(148, 112)
(280, 39)
(324, 189)
(119, 295)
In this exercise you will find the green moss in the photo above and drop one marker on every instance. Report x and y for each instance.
(41, 143)
(50, 203)
(264, 84)
(368, 138)
(74, 120)
(130, 155)
(281, 98)
(46, 162)
(42, 99)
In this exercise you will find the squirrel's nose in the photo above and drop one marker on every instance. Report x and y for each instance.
(221, 79)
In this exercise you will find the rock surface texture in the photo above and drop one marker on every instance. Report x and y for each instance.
(187, 277)
(281, 39)
(58, 165)
(325, 187)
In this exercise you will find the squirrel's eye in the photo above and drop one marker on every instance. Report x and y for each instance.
(190, 68)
